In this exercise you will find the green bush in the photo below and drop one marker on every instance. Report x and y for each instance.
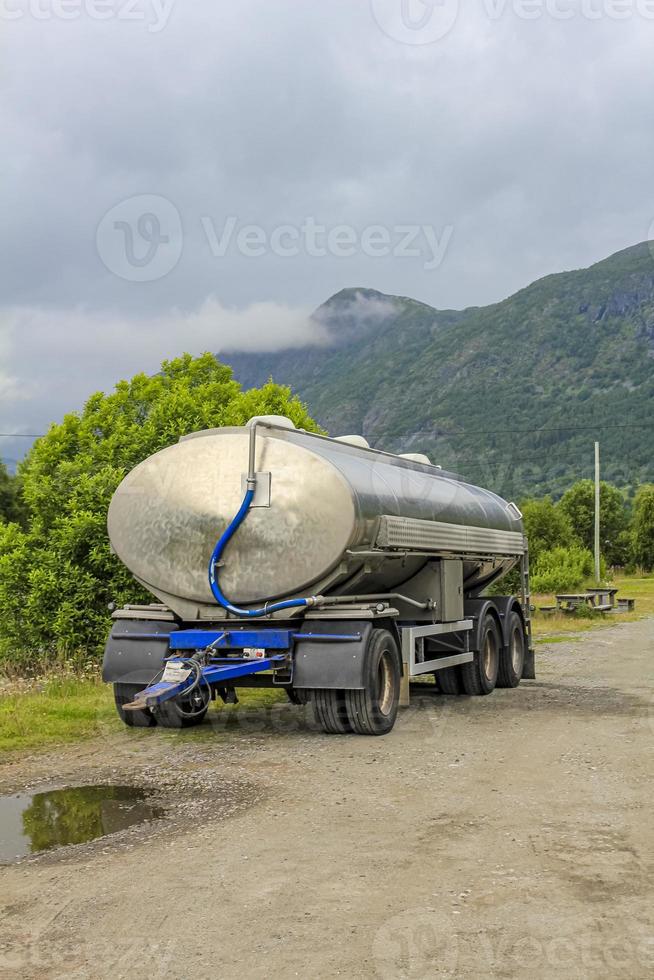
(561, 570)
(643, 530)
(57, 573)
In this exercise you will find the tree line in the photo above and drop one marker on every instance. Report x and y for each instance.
(561, 534)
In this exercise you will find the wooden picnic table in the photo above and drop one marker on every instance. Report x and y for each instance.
(569, 601)
(601, 599)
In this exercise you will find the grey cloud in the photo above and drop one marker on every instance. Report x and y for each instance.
(532, 139)
(37, 345)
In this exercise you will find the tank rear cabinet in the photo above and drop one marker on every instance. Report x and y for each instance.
(451, 590)
(441, 583)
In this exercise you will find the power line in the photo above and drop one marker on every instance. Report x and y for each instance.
(555, 428)
(501, 457)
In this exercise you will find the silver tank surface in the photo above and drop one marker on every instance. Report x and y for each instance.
(328, 518)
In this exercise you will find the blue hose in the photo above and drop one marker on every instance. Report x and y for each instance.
(225, 538)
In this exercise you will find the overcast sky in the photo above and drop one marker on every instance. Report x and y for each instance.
(192, 174)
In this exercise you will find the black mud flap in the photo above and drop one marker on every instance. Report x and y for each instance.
(135, 650)
(529, 669)
(332, 664)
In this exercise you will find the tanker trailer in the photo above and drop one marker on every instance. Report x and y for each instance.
(282, 558)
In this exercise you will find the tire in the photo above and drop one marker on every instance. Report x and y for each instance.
(179, 713)
(298, 695)
(448, 680)
(512, 657)
(373, 710)
(123, 693)
(480, 675)
(330, 711)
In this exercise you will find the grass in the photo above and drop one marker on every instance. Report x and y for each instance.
(62, 709)
(69, 708)
(557, 627)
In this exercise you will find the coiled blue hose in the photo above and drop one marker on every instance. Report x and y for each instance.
(224, 540)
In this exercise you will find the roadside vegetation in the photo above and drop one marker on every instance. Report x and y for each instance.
(61, 708)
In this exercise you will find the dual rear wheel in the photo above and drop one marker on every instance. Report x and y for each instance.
(493, 664)
(373, 709)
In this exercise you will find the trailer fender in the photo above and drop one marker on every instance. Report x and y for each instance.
(505, 605)
(331, 665)
(476, 610)
(502, 607)
(135, 650)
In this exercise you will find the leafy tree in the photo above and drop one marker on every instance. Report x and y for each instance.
(643, 530)
(10, 502)
(578, 504)
(547, 526)
(57, 575)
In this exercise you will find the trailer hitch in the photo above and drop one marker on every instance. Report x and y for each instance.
(179, 677)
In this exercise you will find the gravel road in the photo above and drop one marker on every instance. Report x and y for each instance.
(507, 836)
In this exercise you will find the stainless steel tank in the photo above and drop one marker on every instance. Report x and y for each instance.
(328, 518)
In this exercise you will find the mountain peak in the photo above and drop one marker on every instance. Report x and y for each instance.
(356, 312)
(512, 395)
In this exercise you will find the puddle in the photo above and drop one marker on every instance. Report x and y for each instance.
(42, 821)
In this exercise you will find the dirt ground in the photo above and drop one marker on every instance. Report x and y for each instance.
(507, 836)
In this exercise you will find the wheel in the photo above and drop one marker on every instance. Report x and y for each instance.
(330, 711)
(512, 657)
(184, 712)
(448, 680)
(123, 693)
(480, 675)
(298, 695)
(373, 710)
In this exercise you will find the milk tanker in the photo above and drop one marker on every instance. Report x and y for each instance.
(281, 558)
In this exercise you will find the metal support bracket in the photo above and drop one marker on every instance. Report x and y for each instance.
(416, 664)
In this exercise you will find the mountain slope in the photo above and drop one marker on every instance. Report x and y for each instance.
(511, 395)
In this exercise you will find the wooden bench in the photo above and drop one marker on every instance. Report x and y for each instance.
(625, 604)
(548, 610)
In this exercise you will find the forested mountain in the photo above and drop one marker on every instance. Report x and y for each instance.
(510, 395)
